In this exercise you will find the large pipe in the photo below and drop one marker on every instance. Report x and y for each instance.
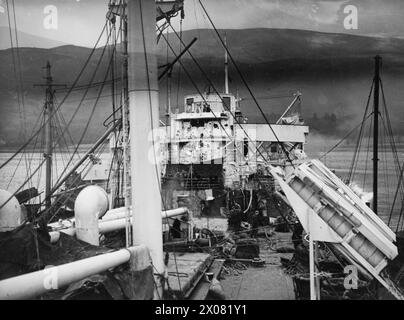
(113, 221)
(103, 227)
(33, 284)
(119, 213)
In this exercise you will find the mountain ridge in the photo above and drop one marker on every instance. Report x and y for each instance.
(26, 40)
(333, 71)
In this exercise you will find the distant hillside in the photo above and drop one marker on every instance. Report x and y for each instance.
(253, 46)
(26, 40)
(333, 72)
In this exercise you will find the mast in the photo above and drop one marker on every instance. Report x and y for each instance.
(48, 114)
(376, 130)
(226, 68)
(49, 152)
(144, 123)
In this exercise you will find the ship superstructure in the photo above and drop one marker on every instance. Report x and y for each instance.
(212, 161)
(209, 146)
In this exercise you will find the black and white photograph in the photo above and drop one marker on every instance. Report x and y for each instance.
(202, 154)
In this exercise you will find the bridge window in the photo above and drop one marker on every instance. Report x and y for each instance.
(245, 149)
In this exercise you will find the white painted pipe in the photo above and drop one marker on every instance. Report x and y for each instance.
(113, 214)
(103, 227)
(33, 284)
(111, 223)
(120, 213)
(55, 235)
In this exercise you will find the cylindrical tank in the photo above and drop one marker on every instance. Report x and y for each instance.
(11, 215)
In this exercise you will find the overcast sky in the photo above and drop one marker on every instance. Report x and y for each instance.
(80, 21)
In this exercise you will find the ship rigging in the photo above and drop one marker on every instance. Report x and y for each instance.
(208, 139)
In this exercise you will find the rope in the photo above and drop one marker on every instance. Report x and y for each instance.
(60, 105)
(21, 87)
(76, 179)
(358, 143)
(24, 183)
(344, 138)
(224, 104)
(367, 155)
(217, 93)
(18, 78)
(94, 105)
(246, 84)
(22, 155)
(399, 168)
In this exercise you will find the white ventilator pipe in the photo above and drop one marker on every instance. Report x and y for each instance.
(33, 284)
(90, 205)
(112, 222)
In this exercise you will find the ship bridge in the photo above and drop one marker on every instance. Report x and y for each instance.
(210, 129)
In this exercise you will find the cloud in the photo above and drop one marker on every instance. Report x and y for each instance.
(326, 12)
(76, 26)
(270, 13)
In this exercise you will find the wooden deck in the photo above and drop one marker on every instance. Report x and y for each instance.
(185, 270)
(262, 283)
(202, 289)
(268, 282)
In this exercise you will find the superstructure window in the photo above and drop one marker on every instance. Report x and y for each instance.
(245, 149)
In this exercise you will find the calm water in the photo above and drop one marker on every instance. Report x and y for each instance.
(11, 179)
(339, 160)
